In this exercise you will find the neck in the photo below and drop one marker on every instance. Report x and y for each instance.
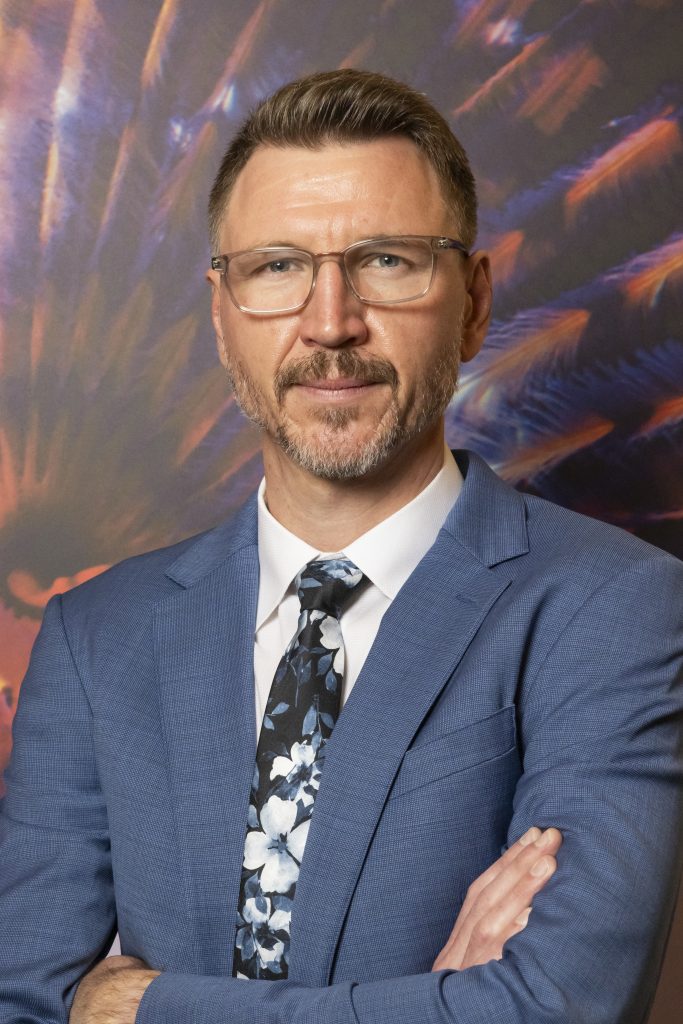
(329, 514)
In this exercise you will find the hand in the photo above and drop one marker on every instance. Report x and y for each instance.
(498, 903)
(111, 992)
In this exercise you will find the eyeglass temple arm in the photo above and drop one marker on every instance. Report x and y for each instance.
(449, 243)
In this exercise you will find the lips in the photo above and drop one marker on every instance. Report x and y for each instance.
(332, 372)
(338, 383)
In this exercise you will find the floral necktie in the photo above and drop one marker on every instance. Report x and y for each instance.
(300, 714)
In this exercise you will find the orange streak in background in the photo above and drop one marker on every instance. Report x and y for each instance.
(9, 483)
(543, 456)
(24, 587)
(5, 37)
(41, 310)
(502, 77)
(126, 335)
(666, 413)
(19, 56)
(18, 635)
(641, 152)
(667, 262)
(241, 50)
(126, 144)
(151, 67)
(177, 206)
(74, 67)
(52, 198)
(674, 515)
(560, 335)
(360, 53)
(504, 253)
(248, 445)
(563, 86)
(483, 12)
(196, 434)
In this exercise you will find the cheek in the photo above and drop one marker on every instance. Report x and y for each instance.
(416, 343)
(259, 347)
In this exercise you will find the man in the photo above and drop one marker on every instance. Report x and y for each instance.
(506, 666)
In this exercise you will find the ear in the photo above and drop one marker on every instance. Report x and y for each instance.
(214, 279)
(477, 311)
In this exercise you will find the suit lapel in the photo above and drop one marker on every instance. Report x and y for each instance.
(205, 650)
(423, 636)
(204, 636)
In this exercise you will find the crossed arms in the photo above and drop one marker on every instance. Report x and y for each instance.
(602, 763)
(497, 907)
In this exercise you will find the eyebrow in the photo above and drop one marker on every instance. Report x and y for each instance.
(283, 244)
(273, 244)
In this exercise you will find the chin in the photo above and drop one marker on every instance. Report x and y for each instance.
(332, 454)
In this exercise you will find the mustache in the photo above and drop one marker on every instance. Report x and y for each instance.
(324, 364)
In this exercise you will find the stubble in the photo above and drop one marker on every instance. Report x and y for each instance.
(328, 452)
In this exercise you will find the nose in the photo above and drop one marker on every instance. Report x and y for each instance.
(333, 316)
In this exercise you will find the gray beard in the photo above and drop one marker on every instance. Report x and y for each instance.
(319, 455)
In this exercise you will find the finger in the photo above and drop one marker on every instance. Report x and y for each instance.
(512, 910)
(506, 890)
(522, 919)
(491, 932)
(520, 878)
(483, 936)
(499, 865)
(508, 869)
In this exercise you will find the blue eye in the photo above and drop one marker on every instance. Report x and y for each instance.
(384, 261)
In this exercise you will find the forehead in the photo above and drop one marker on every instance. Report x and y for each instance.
(335, 194)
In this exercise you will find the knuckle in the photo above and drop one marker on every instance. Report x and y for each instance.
(475, 887)
(483, 904)
(484, 930)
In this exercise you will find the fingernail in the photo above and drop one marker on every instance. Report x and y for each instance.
(529, 836)
(541, 867)
(523, 918)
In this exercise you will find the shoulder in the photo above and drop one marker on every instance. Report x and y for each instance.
(589, 546)
(129, 588)
(558, 557)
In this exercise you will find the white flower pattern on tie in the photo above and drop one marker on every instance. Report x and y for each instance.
(300, 714)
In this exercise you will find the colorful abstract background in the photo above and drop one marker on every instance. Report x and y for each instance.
(117, 433)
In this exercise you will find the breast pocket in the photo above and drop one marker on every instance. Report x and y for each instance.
(470, 746)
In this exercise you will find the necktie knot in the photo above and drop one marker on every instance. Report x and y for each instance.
(328, 585)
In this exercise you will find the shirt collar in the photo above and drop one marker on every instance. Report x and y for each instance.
(387, 554)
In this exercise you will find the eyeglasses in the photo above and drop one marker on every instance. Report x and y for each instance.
(382, 271)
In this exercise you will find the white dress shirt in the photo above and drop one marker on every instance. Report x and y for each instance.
(387, 554)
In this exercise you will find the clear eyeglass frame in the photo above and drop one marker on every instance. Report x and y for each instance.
(434, 244)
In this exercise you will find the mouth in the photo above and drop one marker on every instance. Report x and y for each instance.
(338, 388)
(337, 378)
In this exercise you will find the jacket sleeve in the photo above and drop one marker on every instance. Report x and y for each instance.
(601, 728)
(56, 891)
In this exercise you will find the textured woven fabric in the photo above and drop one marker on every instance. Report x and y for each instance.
(301, 712)
(529, 672)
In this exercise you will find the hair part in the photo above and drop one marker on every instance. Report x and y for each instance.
(350, 106)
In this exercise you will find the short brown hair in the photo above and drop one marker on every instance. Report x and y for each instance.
(350, 106)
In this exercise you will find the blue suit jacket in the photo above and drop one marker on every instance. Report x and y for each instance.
(529, 672)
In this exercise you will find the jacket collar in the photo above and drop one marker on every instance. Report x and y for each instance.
(488, 520)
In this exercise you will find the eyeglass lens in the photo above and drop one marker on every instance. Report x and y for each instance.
(388, 270)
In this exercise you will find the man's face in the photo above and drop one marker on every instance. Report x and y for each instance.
(341, 386)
